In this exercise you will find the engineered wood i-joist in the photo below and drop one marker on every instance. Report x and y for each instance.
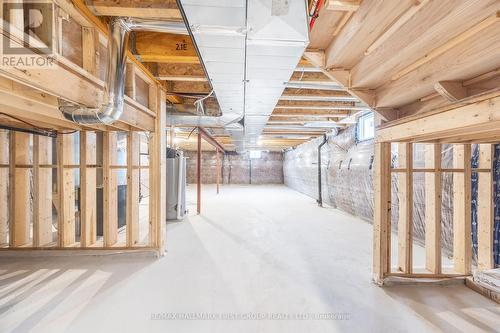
(42, 191)
(66, 191)
(462, 243)
(110, 204)
(4, 186)
(88, 184)
(20, 193)
(433, 208)
(485, 212)
(405, 221)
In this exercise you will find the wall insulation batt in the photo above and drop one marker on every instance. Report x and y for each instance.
(347, 183)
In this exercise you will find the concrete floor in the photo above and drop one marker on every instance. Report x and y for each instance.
(255, 251)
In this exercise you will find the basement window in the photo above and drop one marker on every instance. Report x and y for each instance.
(255, 154)
(365, 128)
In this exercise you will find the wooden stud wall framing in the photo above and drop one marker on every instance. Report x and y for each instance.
(382, 212)
(485, 214)
(110, 206)
(88, 184)
(462, 247)
(66, 193)
(132, 188)
(433, 209)
(4, 186)
(42, 191)
(462, 182)
(405, 193)
(33, 95)
(19, 190)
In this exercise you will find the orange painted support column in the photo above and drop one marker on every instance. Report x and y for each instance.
(218, 169)
(198, 174)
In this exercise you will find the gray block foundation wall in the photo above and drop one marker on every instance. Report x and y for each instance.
(237, 169)
(347, 182)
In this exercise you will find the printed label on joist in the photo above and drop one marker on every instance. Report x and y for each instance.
(161, 47)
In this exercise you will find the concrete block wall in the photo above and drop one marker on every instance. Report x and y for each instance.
(237, 168)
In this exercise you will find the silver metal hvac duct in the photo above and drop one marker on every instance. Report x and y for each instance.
(114, 84)
(249, 50)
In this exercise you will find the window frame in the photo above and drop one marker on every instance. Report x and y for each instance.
(360, 122)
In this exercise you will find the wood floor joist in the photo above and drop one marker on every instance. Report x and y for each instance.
(152, 9)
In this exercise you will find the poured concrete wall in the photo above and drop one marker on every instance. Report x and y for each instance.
(237, 168)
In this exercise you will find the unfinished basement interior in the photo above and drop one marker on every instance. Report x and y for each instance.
(250, 166)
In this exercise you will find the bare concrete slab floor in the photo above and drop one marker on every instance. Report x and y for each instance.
(255, 252)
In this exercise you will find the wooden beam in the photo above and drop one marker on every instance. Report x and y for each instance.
(433, 208)
(4, 187)
(165, 48)
(88, 185)
(65, 192)
(343, 5)
(485, 211)
(160, 9)
(42, 191)
(110, 204)
(462, 243)
(382, 212)
(464, 118)
(405, 221)
(132, 220)
(19, 190)
(451, 90)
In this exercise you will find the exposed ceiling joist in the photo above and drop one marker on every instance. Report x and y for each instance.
(161, 9)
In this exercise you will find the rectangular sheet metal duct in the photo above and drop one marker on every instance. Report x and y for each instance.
(250, 50)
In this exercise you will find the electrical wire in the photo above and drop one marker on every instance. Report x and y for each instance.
(199, 103)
